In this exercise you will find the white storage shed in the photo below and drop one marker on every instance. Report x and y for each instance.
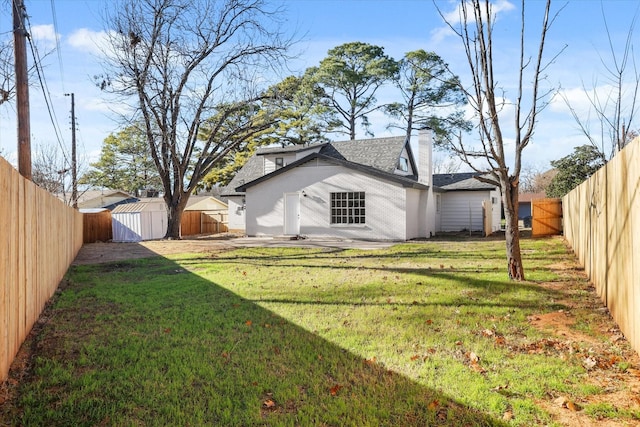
(134, 222)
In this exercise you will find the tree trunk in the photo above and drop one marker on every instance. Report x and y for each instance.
(174, 215)
(512, 231)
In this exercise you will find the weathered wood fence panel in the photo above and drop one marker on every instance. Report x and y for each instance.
(546, 217)
(97, 227)
(39, 238)
(190, 224)
(203, 222)
(214, 222)
(602, 224)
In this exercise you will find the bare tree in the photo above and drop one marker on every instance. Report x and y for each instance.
(7, 72)
(532, 178)
(52, 171)
(193, 67)
(445, 164)
(614, 105)
(475, 29)
(49, 169)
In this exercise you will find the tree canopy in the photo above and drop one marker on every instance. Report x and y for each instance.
(431, 97)
(350, 75)
(574, 169)
(125, 163)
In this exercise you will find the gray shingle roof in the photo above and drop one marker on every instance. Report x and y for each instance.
(408, 182)
(380, 154)
(460, 181)
(251, 170)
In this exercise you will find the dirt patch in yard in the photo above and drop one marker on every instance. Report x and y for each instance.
(585, 330)
(101, 252)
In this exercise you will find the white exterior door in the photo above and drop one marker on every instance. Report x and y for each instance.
(291, 214)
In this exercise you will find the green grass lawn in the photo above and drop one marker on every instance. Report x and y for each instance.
(420, 334)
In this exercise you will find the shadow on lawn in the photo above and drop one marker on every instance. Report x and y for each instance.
(159, 345)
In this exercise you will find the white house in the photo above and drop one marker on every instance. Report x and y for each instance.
(366, 189)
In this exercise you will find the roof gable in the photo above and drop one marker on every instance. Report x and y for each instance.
(378, 153)
(381, 154)
(399, 179)
(461, 181)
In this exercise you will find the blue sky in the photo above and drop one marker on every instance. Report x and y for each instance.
(399, 26)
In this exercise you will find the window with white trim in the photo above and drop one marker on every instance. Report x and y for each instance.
(279, 162)
(403, 164)
(347, 207)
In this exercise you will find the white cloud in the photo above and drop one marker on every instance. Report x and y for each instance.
(88, 40)
(44, 34)
(497, 7)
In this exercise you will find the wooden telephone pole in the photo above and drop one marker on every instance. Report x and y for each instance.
(74, 164)
(22, 89)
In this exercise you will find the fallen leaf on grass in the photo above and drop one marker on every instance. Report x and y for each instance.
(415, 357)
(428, 321)
(248, 323)
(507, 416)
(572, 406)
(487, 333)
(335, 389)
(476, 367)
(269, 404)
(433, 405)
(560, 401)
(371, 361)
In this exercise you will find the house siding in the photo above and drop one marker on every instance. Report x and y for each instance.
(413, 216)
(385, 203)
(236, 218)
(462, 210)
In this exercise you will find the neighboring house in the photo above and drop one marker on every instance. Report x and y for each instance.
(205, 203)
(524, 205)
(366, 189)
(107, 199)
(459, 199)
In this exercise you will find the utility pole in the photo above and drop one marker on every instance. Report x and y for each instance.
(74, 168)
(22, 89)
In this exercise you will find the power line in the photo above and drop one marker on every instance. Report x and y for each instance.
(45, 92)
(58, 50)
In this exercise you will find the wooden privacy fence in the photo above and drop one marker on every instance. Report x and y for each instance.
(97, 227)
(602, 224)
(546, 217)
(203, 222)
(39, 238)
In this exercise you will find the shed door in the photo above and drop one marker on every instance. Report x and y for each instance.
(291, 213)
